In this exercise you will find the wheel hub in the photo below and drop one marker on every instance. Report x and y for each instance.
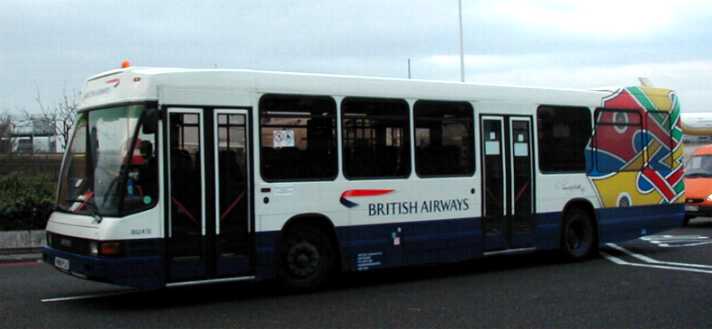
(303, 259)
(576, 235)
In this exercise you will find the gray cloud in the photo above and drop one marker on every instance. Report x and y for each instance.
(56, 45)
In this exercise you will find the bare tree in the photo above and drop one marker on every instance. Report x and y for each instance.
(61, 115)
(7, 126)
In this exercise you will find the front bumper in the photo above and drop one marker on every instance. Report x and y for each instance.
(143, 272)
(694, 210)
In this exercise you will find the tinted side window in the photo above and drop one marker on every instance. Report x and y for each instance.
(660, 143)
(376, 140)
(563, 134)
(444, 139)
(298, 137)
(618, 140)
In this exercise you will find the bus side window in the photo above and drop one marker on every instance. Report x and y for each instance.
(563, 133)
(660, 144)
(618, 141)
(444, 139)
(298, 137)
(376, 138)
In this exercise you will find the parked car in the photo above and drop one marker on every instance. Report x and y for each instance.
(698, 184)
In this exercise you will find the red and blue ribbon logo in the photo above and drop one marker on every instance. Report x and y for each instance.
(115, 82)
(360, 193)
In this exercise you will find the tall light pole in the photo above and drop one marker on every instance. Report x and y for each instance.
(408, 67)
(462, 49)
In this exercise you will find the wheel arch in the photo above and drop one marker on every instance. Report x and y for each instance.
(584, 204)
(316, 220)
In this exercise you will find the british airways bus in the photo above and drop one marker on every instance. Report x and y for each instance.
(179, 177)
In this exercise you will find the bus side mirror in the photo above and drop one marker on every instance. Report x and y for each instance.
(150, 121)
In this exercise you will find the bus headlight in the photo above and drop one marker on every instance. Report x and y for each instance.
(94, 248)
(709, 197)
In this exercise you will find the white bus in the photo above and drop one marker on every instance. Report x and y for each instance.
(178, 177)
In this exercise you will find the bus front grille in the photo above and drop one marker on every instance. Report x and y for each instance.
(68, 243)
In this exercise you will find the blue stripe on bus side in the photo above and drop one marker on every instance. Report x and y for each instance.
(620, 224)
(410, 243)
(547, 230)
(265, 254)
(144, 272)
(366, 247)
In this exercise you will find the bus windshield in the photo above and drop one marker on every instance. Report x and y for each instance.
(110, 166)
(699, 166)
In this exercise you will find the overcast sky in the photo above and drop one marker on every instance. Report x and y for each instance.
(53, 46)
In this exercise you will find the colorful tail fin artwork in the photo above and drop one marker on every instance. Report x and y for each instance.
(635, 156)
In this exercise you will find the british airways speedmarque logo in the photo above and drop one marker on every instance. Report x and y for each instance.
(360, 193)
(115, 82)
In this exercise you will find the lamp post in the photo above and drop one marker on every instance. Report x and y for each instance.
(462, 49)
(409, 68)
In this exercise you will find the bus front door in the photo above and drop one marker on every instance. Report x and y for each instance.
(508, 168)
(231, 219)
(208, 226)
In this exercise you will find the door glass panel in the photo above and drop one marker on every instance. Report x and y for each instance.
(494, 173)
(232, 219)
(521, 183)
(494, 221)
(186, 217)
(521, 155)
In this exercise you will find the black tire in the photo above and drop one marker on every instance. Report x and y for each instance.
(686, 221)
(578, 235)
(306, 260)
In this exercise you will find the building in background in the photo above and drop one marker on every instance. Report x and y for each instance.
(33, 134)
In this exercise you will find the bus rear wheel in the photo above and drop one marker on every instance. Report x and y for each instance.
(307, 259)
(686, 221)
(578, 237)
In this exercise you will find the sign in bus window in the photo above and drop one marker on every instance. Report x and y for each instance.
(283, 138)
(492, 148)
(521, 149)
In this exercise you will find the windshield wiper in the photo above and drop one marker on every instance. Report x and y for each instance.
(91, 206)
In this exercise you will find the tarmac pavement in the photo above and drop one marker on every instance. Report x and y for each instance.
(662, 281)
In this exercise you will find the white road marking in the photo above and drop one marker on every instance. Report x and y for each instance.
(676, 241)
(91, 296)
(654, 261)
(662, 267)
(613, 259)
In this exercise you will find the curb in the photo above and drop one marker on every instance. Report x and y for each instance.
(21, 240)
(18, 255)
(16, 251)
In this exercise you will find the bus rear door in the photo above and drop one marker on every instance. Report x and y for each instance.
(508, 167)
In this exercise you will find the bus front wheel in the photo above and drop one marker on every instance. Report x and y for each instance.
(307, 259)
(578, 237)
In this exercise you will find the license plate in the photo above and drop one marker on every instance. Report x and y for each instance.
(692, 208)
(61, 263)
